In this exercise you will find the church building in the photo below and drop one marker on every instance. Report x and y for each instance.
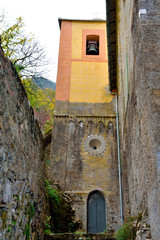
(84, 162)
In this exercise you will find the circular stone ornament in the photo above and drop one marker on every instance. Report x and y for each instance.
(95, 145)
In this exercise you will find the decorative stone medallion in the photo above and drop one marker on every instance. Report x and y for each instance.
(95, 145)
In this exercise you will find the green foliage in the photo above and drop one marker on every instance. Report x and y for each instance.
(27, 231)
(42, 101)
(128, 230)
(25, 53)
(13, 223)
(62, 215)
(48, 231)
(48, 126)
(79, 232)
(124, 233)
(53, 194)
(11, 38)
(9, 228)
(19, 67)
(48, 226)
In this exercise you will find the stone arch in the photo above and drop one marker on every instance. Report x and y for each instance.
(101, 127)
(91, 127)
(71, 127)
(110, 127)
(73, 159)
(81, 128)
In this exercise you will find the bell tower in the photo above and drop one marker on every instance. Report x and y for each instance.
(84, 150)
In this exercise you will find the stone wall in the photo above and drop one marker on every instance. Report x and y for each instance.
(21, 166)
(79, 170)
(139, 107)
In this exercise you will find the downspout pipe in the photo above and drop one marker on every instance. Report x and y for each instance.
(119, 159)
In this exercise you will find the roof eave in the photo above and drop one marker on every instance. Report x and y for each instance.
(80, 20)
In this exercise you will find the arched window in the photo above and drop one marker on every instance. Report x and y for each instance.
(92, 45)
(96, 213)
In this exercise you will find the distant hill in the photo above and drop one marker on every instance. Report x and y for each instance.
(44, 83)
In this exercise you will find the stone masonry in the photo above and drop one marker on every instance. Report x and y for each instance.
(78, 171)
(21, 166)
(139, 107)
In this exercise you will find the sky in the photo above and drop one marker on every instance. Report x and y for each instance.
(41, 19)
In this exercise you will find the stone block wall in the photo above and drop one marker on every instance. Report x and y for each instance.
(21, 166)
(78, 171)
(138, 27)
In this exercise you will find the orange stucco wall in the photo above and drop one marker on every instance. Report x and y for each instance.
(64, 62)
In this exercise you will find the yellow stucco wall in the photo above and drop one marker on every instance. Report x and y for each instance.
(88, 82)
(89, 74)
(77, 28)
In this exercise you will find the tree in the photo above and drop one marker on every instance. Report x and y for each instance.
(42, 101)
(29, 60)
(24, 51)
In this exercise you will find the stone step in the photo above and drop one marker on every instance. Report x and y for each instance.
(75, 236)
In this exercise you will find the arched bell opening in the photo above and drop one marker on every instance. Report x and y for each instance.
(96, 212)
(92, 45)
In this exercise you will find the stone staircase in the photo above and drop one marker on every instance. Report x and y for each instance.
(80, 236)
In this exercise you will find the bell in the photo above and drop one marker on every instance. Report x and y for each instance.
(92, 50)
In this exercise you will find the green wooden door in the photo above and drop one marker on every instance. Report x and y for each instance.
(96, 213)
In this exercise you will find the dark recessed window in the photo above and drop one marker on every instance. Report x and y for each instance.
(92, 45)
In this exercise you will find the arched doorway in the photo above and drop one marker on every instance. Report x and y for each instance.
(96, 213)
